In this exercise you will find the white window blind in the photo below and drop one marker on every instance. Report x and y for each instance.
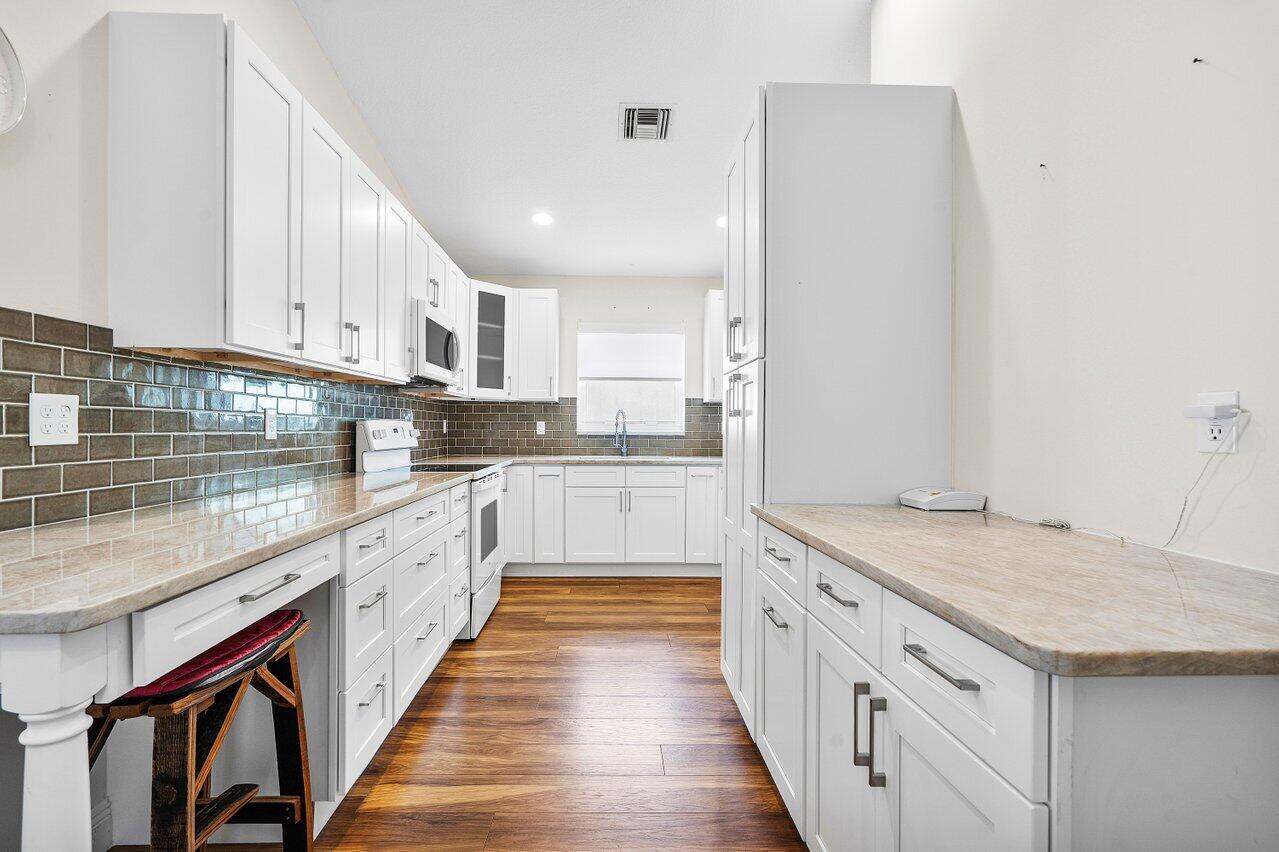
(636, 368)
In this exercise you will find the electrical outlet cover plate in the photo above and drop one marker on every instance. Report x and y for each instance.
(53, 419)
(1219, 435)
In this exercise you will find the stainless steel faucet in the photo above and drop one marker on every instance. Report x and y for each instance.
(619, 430)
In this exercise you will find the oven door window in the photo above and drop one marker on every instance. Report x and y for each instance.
(438, 347)
(488, 530)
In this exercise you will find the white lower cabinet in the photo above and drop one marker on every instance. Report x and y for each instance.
(779, 713)
(368, 622)
(420, 648)
(595, 524)
(701, 514)
(365, 716)
(548, 515)
(655, 524)
(459, 603)
(519, 513)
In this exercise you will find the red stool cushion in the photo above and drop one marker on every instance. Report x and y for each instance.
(235, 654)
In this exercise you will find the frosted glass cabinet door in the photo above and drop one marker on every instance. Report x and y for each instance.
(264, 197)
(493, 315)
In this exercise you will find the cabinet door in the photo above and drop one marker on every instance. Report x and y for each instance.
(779, 713)
(747, 696)
(420, 267)
(595, 526)
(701, 514)
(655, 524)
(734, 190)
(493, 314)
(749, 402)
(519, 513)
(548, 514)
(938, 794)
(730, 618)
(366, 295)
(538, 346)
(733, 472)
(840, 811)
(749, 342)
(460, 307)
(326, 165)
(438, 278)
(398, 289)
(713, 347)
(264, 200)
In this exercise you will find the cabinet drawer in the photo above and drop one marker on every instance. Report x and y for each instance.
(365, 717)
(458, 547)
(780, 628)
(991, 703)
(365, 547)
(168, 634)
(784, 559)
(594, 476)
(459, 501)
(850, 604)
(366, 622)
(656, 475)
(416, 521)
(420, 573)
(459, 604)
(419, 650)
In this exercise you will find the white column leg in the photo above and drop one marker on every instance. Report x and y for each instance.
(49, 680)
(56, 812)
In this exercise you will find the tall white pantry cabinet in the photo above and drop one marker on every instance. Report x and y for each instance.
(836, 350)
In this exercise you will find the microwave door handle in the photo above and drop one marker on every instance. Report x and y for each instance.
(454, 351)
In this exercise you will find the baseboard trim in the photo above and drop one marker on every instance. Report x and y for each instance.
(593, 569)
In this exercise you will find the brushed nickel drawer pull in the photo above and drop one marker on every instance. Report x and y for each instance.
(875, 779)
(920, 653)
(429, 514)
(460, 534)
(381, 685)
(427, 560)
(284, 581)
(860, 758)
(772, 551)
(429, 629)
(462, 591)
(829, 590)
(377, 596)
(768, 610)
(381, 537)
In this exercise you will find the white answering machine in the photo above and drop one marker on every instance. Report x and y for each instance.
(942, 499)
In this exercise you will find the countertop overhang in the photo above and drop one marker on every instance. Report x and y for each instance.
(1062, 602)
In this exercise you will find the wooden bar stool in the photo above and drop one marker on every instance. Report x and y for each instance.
(193, 706)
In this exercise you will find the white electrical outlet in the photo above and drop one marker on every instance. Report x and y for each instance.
(446, 427)
(1218, 434)
(270, 425)
(52, 419)
(541, 427)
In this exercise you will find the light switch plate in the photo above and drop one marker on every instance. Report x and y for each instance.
(53, 419)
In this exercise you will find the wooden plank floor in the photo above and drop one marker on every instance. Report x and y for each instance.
(589, 715)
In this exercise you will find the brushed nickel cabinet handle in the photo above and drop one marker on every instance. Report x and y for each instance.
(359, 338)
(381, 685)
(769, 611)
(733, 324)
(860, 758)
(350, 326)
(284, 581)
(381, 537)
(920, 653)
(429, 628)
(462, 591)
(829, 590)
(301, 344)
(875, 779)
(428, 560)
(772, 551)
(619, 501)
(429, 514)
(372, 600)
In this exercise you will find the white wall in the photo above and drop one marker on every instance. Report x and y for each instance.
(1097, 294)
(53, 165)
(625, 299)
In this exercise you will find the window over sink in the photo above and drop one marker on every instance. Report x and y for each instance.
(636, 367)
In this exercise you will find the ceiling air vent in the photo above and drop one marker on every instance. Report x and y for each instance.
(645, 121)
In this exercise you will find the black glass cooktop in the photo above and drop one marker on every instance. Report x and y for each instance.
(468, 467)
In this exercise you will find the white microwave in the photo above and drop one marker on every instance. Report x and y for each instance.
(437, 352)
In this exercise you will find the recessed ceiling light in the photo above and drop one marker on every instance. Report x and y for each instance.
(721, 222)
(542, 218)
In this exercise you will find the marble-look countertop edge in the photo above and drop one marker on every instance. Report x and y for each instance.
(1053, 661)
(85, 616)
(674, 461)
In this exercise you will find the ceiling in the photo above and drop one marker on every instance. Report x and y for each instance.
(491, 110)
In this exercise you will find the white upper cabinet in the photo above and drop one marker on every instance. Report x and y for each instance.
(326, 166)
(420, 266)
(459, 301)
(438, 278)
(744, 243)
(492, 353)
(539, 344)
(398, 289)
(713, 347)
(366, 295)
(264, 193)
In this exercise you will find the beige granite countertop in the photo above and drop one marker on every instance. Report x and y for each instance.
(73, 575)
(497, 459)
(1066, 603)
